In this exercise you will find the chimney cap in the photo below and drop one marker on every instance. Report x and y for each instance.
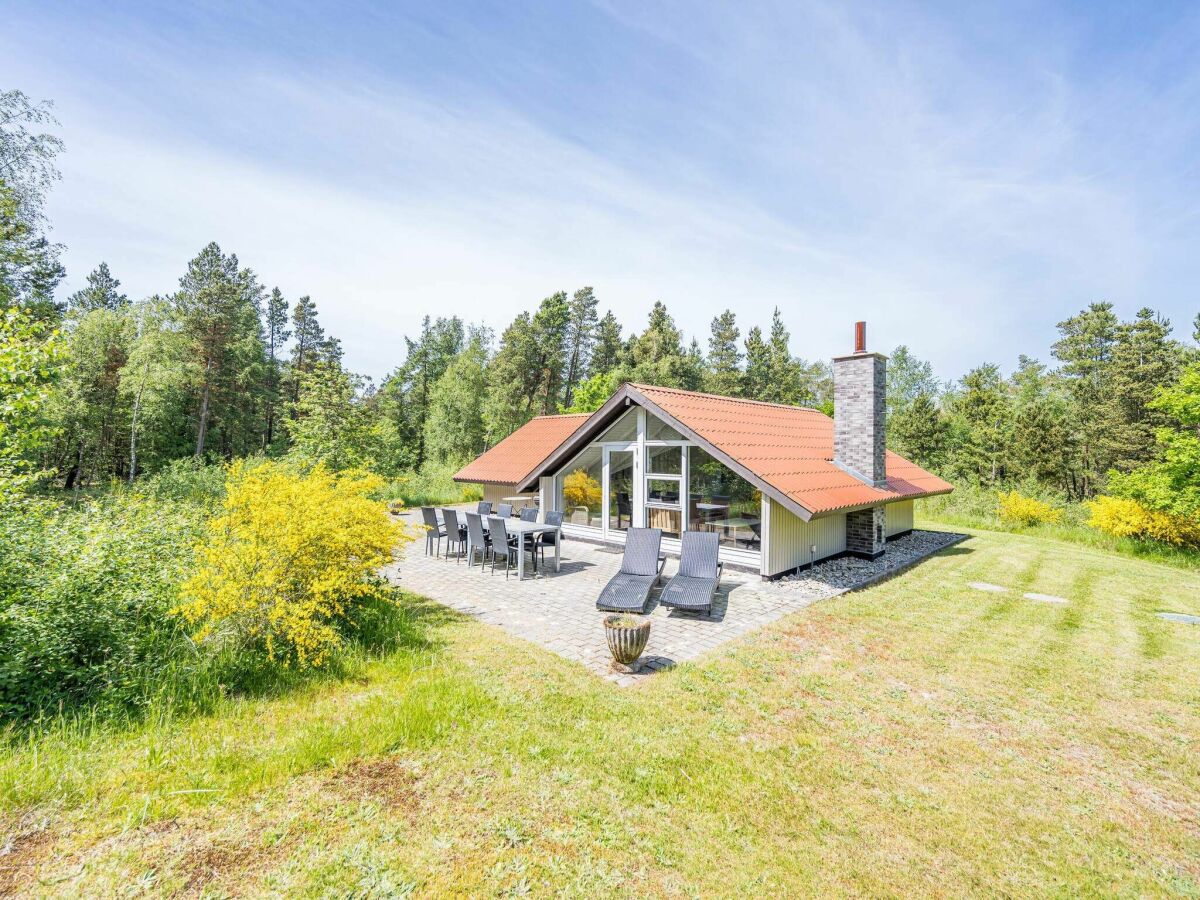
(860, 337)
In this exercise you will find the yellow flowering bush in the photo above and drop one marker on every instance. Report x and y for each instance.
(581, 489)
(1128, 518)
(1014, 508)
(287, 558)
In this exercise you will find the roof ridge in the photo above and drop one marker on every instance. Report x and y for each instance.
(560, 416)
(671, 390)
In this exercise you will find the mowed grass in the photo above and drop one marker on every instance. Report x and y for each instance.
(920, 737)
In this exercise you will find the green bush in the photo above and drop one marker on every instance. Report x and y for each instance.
(186, 480)
(432, 486)
(84, 600)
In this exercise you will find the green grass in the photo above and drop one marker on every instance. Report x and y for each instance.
(974, 508)
(917, 738)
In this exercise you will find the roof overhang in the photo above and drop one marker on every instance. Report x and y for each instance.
(628, 395)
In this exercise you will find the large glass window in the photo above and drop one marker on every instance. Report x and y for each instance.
(624, 429)
(664, 460)
(724, 502)
(658, 430)
(579, 488)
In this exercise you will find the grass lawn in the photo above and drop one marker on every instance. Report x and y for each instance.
(920, 737)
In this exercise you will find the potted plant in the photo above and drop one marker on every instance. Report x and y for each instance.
(627, 636)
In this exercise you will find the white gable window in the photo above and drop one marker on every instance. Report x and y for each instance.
(641, 471)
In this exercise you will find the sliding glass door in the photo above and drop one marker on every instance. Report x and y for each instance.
(618, 489)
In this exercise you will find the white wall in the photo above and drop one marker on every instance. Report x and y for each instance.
(899, 517)
(788, 540)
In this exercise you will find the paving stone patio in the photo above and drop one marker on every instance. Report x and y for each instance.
(558, 611)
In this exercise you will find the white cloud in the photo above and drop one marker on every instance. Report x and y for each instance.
(836, 167)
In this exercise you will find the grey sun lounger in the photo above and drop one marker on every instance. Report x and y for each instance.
(641, 566)
(693, 587)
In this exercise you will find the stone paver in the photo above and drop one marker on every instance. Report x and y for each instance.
(1045, 598)
(558, 611)
(987, 586)
(1180, 617)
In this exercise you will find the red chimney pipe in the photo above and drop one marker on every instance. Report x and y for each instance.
(860, 337)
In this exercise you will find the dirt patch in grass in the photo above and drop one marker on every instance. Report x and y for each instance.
(24, 844)
(386, 780)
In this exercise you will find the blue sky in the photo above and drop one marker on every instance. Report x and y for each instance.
(961, 177)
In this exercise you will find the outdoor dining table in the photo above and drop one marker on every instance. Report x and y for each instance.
(520, 529)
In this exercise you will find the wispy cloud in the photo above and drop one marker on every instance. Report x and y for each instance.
(951, 182)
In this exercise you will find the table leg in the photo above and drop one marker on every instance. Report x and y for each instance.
(520, 555)
(557, 548)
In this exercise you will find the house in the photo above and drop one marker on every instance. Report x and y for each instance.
(783, 486)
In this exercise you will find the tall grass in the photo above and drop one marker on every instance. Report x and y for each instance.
(976, 507)
(431, 486)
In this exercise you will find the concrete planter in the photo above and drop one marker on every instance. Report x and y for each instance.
(627, 636)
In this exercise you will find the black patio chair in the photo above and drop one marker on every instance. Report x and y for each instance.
(456, 535)
(546, 538)
(693, 587)
(641, 566)
(755, 533)
(529, 514)
(624, 508)
(478, 540)
(501, 543)
(504, 510)
(484, 508)
(433, 529)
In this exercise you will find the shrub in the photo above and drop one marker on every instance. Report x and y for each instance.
(432, 486)
(1014, 508)
(85, 596)
(581, 489)
(1122, 517)
(288, 559)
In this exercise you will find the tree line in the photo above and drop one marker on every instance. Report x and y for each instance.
(222, 367)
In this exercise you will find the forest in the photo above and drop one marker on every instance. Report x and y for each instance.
(149, 416)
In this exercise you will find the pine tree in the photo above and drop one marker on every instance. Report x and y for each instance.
(512, 380)
(310, 336)
(218, 305)
(275, 321)
(758, 366)
(656, 356)
(609, 349)
(919, 432)
(982, 411)
(1041, 445)
(783, 381)
(549, 330)
(1085, 348)
(101, 293)
(724, 357)
(580, 338)
(1144, 358)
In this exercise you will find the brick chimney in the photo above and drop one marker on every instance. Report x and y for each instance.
(859, 411)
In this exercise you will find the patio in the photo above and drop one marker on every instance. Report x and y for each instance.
(558, 611)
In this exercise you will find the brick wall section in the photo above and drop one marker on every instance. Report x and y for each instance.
(866, 532)
(859, 415)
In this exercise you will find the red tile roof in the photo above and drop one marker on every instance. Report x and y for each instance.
(513, 459)
(790, 448)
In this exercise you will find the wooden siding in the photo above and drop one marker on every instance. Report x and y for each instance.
(899, 517)
(789, 539)
(497, 492)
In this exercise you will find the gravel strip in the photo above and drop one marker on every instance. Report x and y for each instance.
(835, 576)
